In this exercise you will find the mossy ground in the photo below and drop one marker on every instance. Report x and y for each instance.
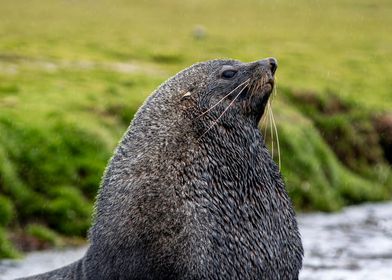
(73, 73)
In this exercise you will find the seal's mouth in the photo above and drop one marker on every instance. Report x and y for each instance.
(268, 86)
(258, 93)
(261, 89)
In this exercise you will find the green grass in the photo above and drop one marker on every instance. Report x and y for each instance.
(73, 73)
(43, 234)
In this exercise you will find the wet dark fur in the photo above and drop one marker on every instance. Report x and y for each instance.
(178, 202)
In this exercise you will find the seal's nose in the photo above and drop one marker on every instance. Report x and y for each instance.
(270, 63)
(273, 64)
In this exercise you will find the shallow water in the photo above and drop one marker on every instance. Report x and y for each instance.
(353, 244)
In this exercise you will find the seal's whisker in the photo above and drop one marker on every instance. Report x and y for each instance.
(223, 98)
(225, 110)
(266, 120)
(256, 88)
(273, 124)
(263, 122)
(273, 94)
(277, 137)
(271, 127)
(275, 91)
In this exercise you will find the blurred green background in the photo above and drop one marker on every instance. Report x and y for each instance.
(73, 73)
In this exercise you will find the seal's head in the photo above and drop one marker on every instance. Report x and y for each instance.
(211, 98)
(224, 93)
(237, 84)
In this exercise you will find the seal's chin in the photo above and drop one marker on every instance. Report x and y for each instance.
(268, 86)
(259, 98)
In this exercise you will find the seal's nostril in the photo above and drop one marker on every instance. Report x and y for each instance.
(273, 63)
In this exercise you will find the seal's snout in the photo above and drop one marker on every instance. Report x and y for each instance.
(273, 64)
(270, 64)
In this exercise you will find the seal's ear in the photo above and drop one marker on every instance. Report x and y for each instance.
(188, 93)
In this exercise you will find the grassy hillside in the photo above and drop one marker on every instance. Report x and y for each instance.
(72, 74)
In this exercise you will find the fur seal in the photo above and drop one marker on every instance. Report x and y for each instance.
(191, 191)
